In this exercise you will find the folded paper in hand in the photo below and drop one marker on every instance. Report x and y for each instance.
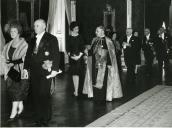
(52, 74)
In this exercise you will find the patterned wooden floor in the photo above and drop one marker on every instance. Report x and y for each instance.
(69, 111)
(150, 109)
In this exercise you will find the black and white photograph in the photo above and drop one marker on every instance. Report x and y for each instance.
(86, 63)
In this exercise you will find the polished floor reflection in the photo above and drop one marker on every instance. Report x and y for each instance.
(69, 111)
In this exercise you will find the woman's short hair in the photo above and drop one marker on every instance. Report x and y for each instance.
(73, 25)
(16, 24)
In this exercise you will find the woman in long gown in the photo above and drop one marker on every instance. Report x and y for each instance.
(102, 70)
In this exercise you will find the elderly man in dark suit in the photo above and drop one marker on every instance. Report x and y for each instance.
(149, 51)
(131, 48)
(162, 48)
(42, 61)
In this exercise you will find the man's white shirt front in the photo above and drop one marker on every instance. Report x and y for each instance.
(128, 38)
(163, 35)
(148, 36)
(39, 37)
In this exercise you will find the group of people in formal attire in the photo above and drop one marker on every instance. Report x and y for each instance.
(37, 63)
(155, 47)
(101, 69)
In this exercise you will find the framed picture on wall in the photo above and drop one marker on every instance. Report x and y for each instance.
(109, 17)
(25, 13)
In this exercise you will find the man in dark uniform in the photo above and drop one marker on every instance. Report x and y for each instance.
(162, 48)
(149, 52)
(130, 47)
(42, 61)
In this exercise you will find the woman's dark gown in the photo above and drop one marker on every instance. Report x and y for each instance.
(74, 47)
(16, 90)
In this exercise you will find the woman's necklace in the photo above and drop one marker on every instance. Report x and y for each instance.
(15, 43)
(74, 34)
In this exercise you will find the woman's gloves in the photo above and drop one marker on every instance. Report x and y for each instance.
(15, 61)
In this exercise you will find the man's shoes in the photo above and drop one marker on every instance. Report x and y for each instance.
(40, 124)
(19, 116)
(11, 120)
(44, 124)
(37, 124)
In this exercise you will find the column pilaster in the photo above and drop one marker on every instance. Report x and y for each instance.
(129, 13)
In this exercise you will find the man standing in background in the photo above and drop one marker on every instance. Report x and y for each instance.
(162, 48)
(130, 46)
(148, 48)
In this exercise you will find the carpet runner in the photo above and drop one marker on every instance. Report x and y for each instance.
(153, 108)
